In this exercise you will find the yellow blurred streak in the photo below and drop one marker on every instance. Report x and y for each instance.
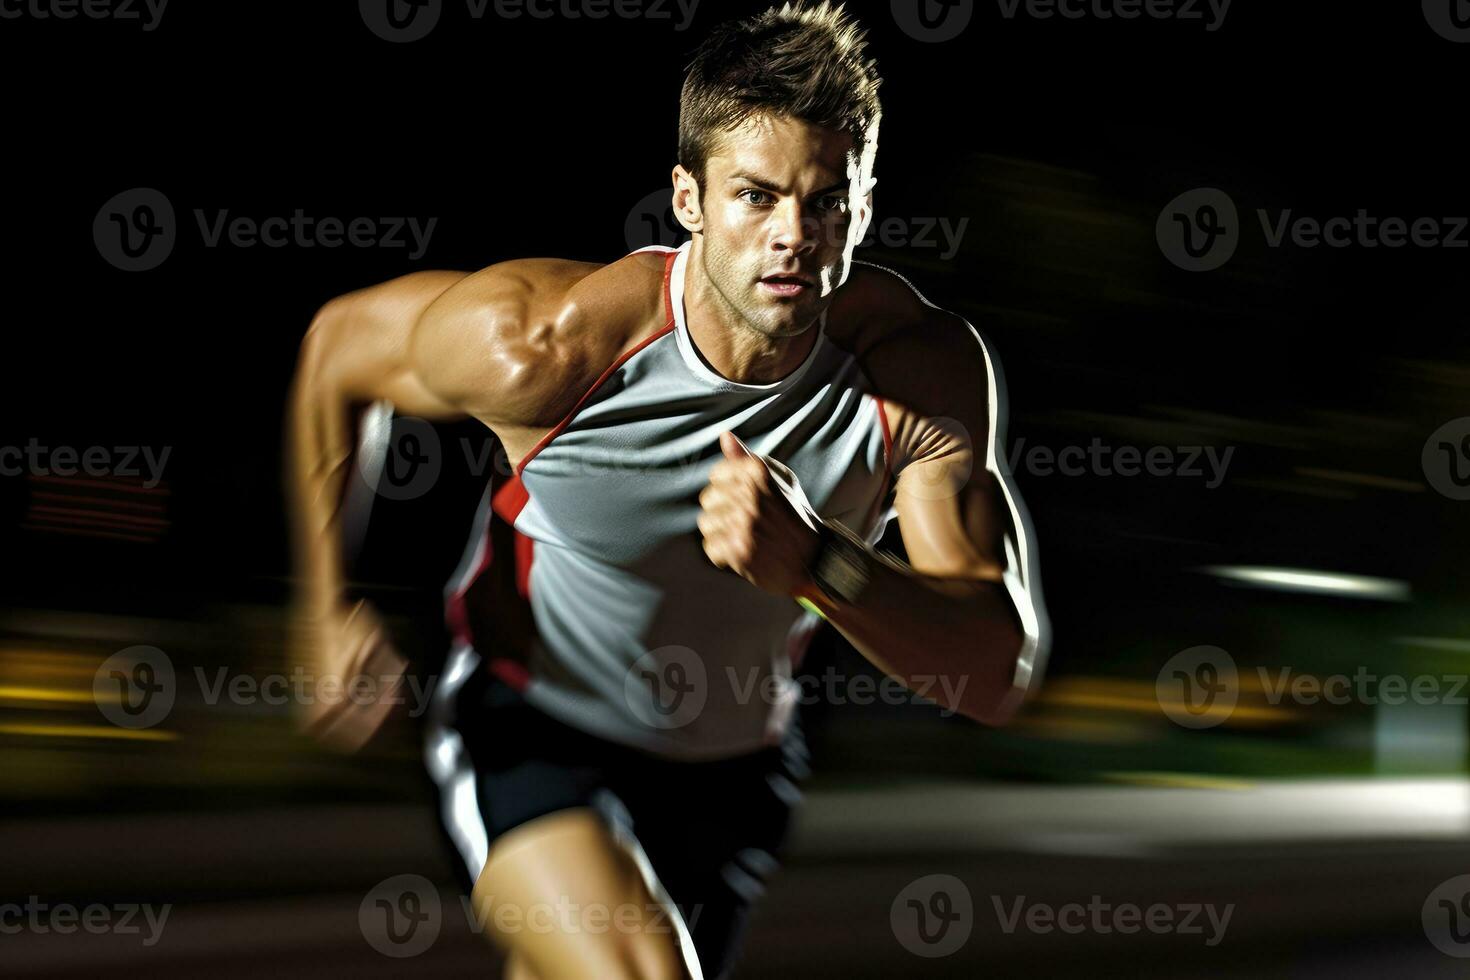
(48, 694)
(1180, 780)
(88, 731)
(1152, 705)
(1115, 694)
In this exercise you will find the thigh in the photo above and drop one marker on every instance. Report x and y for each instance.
(714, 833)
(565, 898)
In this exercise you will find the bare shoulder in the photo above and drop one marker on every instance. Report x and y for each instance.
(921, 359)
(518, 342)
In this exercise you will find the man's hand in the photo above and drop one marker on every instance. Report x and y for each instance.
(354, 675)
(756, 521)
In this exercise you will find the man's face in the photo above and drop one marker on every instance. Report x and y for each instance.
(780, 212)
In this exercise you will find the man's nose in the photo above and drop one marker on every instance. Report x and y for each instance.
(796, 229)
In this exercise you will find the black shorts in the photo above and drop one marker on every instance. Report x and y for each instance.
(711, 831)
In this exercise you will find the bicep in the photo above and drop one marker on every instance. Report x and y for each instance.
(951, 510)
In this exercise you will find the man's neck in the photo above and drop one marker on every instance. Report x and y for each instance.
(727, 342)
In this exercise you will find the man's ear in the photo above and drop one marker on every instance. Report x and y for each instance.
(687, 207)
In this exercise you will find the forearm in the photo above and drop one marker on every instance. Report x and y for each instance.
(319, 455)
(955, 640)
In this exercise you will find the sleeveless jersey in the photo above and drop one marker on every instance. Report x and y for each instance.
(585, 584)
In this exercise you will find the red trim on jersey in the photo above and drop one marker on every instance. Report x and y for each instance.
(887, 435)
(456, 617)
(525, 553)
(511, 672)
(510, 499)
(668, 326)
(887, 459)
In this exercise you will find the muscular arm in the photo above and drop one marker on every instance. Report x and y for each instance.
(358, 349)
(961, 622)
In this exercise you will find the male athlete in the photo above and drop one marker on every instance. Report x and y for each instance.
(707, 441)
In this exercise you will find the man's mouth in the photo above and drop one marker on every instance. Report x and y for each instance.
(786, 285)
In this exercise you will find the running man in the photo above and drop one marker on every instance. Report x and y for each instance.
(707, 443)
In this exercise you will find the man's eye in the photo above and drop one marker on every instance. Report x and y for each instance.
(833, 203)
(750, 195)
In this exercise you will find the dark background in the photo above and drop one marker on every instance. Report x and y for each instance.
(1326, 369)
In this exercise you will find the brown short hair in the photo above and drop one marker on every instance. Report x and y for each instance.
(800, 60)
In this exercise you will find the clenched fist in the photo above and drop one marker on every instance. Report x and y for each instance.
(355, 675)
(756, 520)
